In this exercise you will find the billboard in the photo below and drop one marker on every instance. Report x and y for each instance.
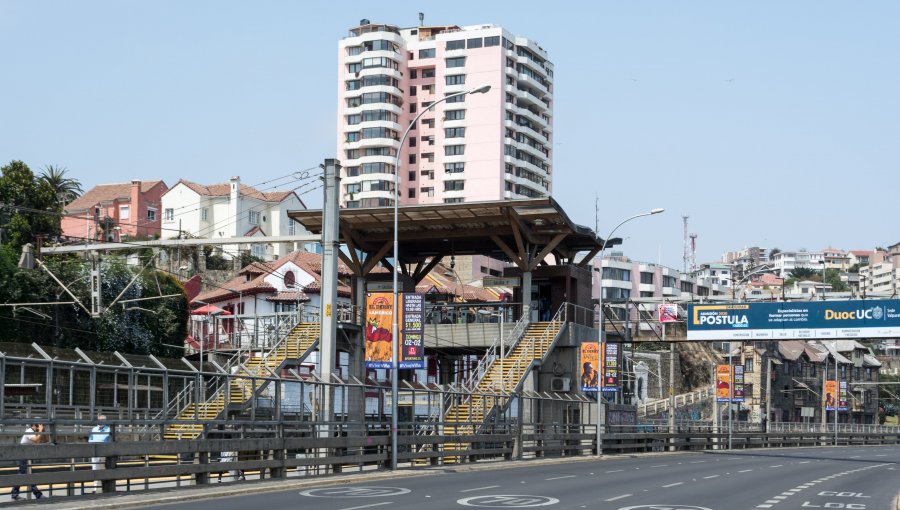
(842, 396)
(379, 315)
(590, 362)
(738, 377)
(723, 383)
(668, 312)
(412, 331)
(794, 320)
(610, 367)
(830, 394)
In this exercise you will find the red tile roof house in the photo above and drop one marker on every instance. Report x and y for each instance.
(268, 288)
(132, 209)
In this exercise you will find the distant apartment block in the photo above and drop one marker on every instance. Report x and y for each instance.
(113, 212)
(786, 261)
(232, 209)
(475, 147)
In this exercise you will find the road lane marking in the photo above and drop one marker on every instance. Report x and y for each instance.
(745, 471)
(804, 462)
(559, 477)
(697, 462)
(481, 488)
(615, 471)
(673, 484)
(710, 476)
(617, 497)
(660, 465)
(777, 465)
(369, 506)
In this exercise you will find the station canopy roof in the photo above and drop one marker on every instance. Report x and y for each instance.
(522, 231)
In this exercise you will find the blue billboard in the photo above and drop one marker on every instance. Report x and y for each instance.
(794, 320)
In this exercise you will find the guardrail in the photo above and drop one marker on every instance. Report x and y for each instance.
(278, 450)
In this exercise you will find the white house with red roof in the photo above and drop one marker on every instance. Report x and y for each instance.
(232, 209)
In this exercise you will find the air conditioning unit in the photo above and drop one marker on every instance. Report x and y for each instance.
(561, 384)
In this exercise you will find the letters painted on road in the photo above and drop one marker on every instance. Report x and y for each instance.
(507, 501)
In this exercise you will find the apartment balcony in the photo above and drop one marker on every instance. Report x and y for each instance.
(373, 124)
(533, 83)
(391, 107)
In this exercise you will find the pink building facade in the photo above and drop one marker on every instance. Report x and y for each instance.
(491, 146)
(111, 212)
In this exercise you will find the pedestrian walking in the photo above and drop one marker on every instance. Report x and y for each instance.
(34, 434)
(99, 434)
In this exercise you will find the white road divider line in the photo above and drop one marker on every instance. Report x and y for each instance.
(559, 477)
(617, 497)
(480, 488)
(673, 484)
(369, 506)
(710, 476)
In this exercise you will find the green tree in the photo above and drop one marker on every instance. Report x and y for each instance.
(805, 273)
(833, 278)
(65, 188)
(28, 206)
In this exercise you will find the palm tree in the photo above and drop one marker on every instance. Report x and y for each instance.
(66, 189)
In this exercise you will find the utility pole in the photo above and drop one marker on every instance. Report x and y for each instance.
(328, 312)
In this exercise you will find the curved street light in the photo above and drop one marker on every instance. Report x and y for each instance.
(600, 318)
(395, 345)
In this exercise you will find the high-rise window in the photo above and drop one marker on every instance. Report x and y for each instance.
(454, 115)
(454, 150)
(454, 185)
(456, 45)
(492, 41)
(456, 79)
(427, 53)
(454, 168)
(456, 62)
(454, 132)
(474, 43)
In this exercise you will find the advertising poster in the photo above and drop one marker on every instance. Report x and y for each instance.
(611, 368)
(842, 396)
(830, 395)
(412, 348)
(379, 310)
(723, 383)
(738, 395)
(590, 362)
(668, 312)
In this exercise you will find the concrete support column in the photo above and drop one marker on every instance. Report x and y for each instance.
(526, 294)
(328, 312)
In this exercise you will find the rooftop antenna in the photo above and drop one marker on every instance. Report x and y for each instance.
(686, 258)
(693, 252)
(421, 19)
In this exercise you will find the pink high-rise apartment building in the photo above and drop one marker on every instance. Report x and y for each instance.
(477, 147)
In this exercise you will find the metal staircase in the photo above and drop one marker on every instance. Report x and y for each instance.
(302, 339)
(498, 376)
(684, 400)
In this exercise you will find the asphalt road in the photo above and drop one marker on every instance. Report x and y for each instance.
(852, 478)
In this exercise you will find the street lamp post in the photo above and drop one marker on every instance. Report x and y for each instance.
(395, 345)
(600, 318)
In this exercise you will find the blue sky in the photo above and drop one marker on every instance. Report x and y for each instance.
(770, 123)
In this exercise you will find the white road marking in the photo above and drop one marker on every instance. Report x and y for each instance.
(661, 465)
(615, 471)
(617, 497)
(804, 462)
(481, 488)
(673, 484)
(710, 476)
(559, 477)
(745, 471)
(777, 465)
(369, 506)
(697, 462)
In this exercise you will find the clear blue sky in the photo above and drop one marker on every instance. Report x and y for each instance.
(773, 123)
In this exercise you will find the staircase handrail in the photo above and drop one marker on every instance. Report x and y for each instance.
(681, 400)
(188, 389)
(552, 329)
(484, 364)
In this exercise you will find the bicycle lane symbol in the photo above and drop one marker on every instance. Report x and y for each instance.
(355, 492)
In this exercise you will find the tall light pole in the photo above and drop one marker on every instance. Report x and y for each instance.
(600, 318)
(395, 345)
